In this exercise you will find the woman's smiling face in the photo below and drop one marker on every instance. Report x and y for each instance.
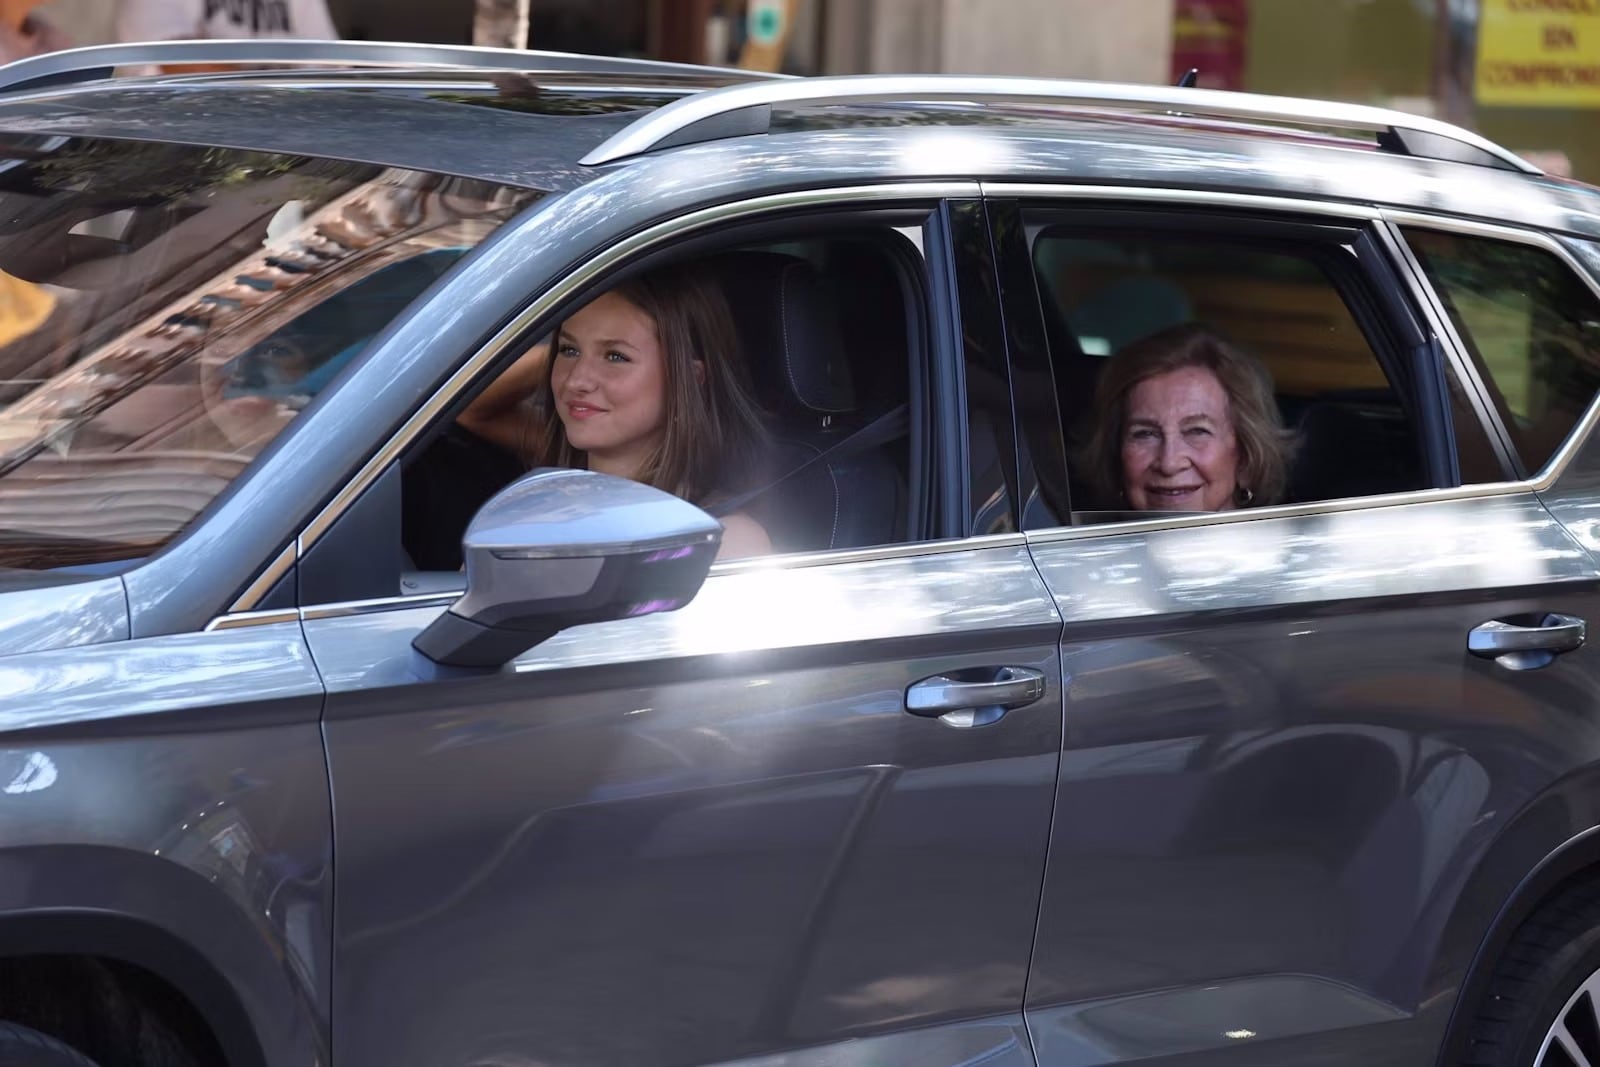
(608, 375)
(1179, 450)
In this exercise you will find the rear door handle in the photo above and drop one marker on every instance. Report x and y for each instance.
(1526, 647)
(975, 697)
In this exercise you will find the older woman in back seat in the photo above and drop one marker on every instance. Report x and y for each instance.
(1187, 422)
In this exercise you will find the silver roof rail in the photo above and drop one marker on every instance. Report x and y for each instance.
(743, 109)
(84, 64)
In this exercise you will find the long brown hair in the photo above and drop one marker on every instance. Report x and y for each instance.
(712, 437)
(1265, 447)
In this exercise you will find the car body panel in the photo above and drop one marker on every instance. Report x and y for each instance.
(39, 612)
(1549, 842)
(1306, 764)
(697, 836)
(179, 784)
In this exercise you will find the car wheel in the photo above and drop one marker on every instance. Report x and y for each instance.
(1542, 1007)
(21, 1047)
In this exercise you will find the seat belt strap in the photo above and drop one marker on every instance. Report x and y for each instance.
(887, 427)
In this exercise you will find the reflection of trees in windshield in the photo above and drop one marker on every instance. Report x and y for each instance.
(1533, 324)
(339, 244)
(153, 171)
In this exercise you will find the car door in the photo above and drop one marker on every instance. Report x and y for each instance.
(715, 835)
(1282, 759)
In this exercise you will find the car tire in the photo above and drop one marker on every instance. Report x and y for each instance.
(1544, 988)
(22, 1047)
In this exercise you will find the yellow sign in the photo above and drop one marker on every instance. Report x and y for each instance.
(1539, 53)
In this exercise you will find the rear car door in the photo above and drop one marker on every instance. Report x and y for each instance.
(715, 835)
(1283, 768)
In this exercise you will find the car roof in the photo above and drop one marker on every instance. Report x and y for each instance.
(543, 129)
(518, 132)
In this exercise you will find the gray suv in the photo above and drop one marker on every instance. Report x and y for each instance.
(332, 734)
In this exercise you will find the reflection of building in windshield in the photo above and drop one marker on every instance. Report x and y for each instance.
(286, 277)
(183, 339)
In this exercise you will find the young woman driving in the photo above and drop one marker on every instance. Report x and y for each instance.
(645, 382)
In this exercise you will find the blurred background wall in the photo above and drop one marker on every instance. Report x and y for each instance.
(89, 21)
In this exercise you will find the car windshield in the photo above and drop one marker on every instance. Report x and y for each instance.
(166, 310)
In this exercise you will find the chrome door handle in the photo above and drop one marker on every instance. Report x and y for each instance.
(975, 697)
(1527, 647)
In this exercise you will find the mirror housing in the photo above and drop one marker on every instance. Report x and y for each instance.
(558, 548)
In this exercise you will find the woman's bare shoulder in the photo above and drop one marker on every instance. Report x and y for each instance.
(743, 536)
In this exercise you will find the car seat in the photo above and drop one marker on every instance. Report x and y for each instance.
(1353, 447)
(790, 336)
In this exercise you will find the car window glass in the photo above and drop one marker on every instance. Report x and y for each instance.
(829, 330)
(1345, 428)
(1477, 459)
(1530, 324)
(165, 311)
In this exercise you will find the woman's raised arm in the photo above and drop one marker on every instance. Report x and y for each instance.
(498, 414)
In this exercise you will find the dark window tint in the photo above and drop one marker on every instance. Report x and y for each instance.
(165, 311)
(1531, 325)
(1477, 459)
(1102, 291)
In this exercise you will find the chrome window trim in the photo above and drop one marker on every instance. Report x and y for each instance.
(252, 618)
(268, 578)
(1278, 511)
(1551, 472)
(568, 286)
(731, 568)
(388, 603)
(874, 554)
(1167, 197)
(242, 619)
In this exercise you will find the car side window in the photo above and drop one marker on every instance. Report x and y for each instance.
(1529, 323)
(1125, 312)
(830, 327)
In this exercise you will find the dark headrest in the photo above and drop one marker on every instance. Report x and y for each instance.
(789, 331)
(1354, 449)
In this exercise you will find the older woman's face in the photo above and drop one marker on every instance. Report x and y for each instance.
(1179, 452)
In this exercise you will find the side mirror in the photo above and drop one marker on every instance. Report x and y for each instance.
(558, 548)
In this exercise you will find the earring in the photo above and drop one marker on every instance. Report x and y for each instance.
(1243, 496)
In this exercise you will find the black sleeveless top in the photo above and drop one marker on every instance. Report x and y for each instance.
(446, 484)
(442, 488)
